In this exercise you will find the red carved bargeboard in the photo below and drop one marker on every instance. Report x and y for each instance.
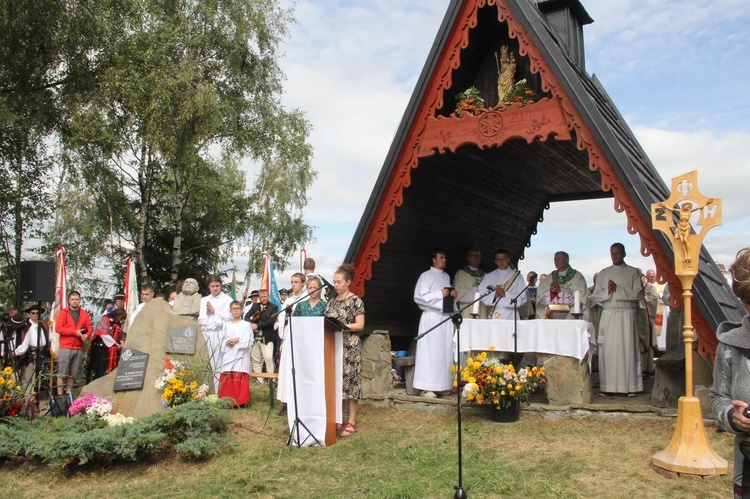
(491, 128)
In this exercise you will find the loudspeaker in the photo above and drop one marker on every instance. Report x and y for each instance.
(38, 281)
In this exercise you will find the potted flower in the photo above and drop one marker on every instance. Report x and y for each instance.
(469, 100)
(491, 383)
(11, 394)
(521, 92)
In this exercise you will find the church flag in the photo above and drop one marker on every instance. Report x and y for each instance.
(268, 280)
(233, 291)
(61, 297)
(131, 288)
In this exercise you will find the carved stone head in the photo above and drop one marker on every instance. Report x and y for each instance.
(190, 286)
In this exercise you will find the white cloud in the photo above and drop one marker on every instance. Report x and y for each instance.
(677, 71)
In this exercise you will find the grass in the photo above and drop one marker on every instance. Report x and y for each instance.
(400, 453)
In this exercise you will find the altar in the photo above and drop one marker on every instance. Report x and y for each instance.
(564, 347)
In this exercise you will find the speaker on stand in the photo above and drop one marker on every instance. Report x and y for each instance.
(38, 281)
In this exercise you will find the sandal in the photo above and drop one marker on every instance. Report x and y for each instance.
(349, 430)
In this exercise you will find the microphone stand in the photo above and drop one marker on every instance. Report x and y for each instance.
(295, 428)
(457, 319)
(514, 301)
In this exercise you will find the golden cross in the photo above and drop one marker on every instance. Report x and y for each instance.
(675, 217)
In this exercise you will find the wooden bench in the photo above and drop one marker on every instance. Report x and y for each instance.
(273, 378)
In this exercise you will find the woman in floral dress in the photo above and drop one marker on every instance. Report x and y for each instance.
(349, 310)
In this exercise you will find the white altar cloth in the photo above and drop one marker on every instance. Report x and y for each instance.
(570, 338)
(310, 377)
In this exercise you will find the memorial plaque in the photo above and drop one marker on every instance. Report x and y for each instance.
(182, 340)
(131, 370)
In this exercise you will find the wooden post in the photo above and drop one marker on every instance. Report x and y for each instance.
(689, 451)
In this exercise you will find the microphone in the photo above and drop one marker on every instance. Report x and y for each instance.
(325, 282)
(331, 291)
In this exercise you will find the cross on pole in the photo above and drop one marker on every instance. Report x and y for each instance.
(685, 217)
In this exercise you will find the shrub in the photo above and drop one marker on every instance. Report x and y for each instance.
(192, 429)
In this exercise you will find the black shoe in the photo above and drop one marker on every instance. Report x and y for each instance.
(282, 411)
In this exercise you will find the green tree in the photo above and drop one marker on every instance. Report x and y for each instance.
(48, 61)
(193, 88)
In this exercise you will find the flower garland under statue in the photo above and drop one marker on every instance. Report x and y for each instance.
(490, 382)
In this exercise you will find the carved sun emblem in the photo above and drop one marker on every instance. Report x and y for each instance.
(490, 124)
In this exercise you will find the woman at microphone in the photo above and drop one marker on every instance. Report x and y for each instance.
(349, 309)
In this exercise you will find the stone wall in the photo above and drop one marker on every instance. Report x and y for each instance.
(376, 363)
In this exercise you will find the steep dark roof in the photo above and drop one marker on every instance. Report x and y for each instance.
(492, 197)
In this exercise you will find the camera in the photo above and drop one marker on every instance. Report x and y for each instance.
(746, 412)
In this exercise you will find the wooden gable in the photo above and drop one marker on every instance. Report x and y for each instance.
(484, 179)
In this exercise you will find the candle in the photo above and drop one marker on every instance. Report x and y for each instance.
(576, 302)
(475, 308)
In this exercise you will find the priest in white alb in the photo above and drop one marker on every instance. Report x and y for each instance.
(434, 356)
(213, 314)
(508, 284)
(619, 289)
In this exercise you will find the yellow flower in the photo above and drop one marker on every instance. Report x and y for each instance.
(18, 388)
(2, 381)
(182, 372)
(469, 396)
(492, 348)
(469, 361)
(193, 385)
(8, 370)
(502, 393)
(10, 383)
(498, 370)
(518, 388)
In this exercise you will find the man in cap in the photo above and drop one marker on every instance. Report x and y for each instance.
(32, 349)
(119, 300)
(251, 300)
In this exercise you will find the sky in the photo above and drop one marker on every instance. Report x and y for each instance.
(677, 71)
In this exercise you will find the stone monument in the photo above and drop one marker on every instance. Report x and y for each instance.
(148, 334)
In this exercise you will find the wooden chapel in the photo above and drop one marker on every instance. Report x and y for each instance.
(452, 180)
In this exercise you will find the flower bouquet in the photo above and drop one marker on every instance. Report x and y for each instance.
(521, 92)
(95, 407)
(469, 100)
(11, 394)
(490, 382)
(179, 384)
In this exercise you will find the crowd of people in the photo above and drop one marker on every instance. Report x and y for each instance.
(623, 304)
(242, 337)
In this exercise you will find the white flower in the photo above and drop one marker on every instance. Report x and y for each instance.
(118, 419)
